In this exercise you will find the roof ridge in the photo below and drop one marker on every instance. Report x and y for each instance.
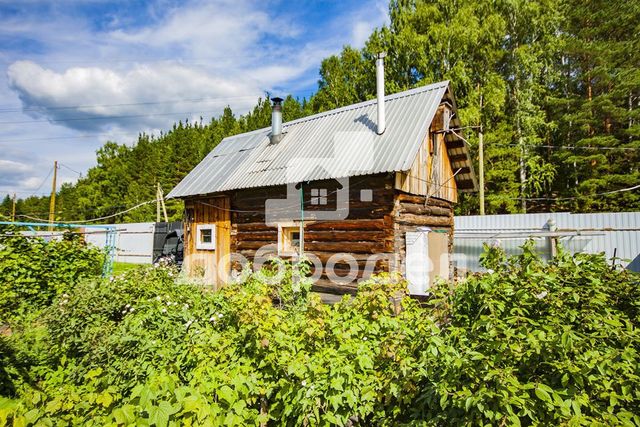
(390, 97)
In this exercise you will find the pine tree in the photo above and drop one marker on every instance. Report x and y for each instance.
(595, 106)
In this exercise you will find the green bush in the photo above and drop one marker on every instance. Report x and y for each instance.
(530, 343)
(33, 272)
(538, 343)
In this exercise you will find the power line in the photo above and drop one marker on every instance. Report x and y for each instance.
(38, 213)
(51, 138)
(94, 219)
(635, 187)
(22, 192)
(565, 147)
(140, 60)
(154, 200)
(130, 104)
(42, 183)
(451, 187)
(72, 170)
(83, 210)
(84, 136)
(129, 116)
(288, 209)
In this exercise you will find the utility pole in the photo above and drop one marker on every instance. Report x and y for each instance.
(481, 168)
(164, 207)
(52, 201)
(157, 202)
(160, 203)
(481, 160)
(301, 220)
(13, 208)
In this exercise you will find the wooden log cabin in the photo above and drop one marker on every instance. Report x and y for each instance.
(359, 190)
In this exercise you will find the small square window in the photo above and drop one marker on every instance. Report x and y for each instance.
(206, 237)
(289, 241)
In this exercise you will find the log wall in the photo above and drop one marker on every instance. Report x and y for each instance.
(372, 234)
(366, 231)
(409, 213)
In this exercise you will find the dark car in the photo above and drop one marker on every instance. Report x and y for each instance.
(172, 249)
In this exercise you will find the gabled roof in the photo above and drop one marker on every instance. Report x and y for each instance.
(343, 142)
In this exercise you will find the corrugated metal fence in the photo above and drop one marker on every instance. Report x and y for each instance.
(612, 233)
(134, 242)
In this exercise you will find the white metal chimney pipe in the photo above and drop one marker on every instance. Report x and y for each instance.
(276, 120)
(382, 124)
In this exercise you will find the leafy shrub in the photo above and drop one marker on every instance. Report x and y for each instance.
(539, 343)
(33, 272)
(531, 343)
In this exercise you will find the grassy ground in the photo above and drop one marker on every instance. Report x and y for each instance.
(121, 267)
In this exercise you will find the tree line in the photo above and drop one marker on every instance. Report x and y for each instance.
(554, 88)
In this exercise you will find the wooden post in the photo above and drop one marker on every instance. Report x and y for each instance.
(164, 208)
(157, 202)
(523, 171)
(52, 200)
(301, 220)
(552, 241)
(481, 169)
(481, 159)
(13, 208)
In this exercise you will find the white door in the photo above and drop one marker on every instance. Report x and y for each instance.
(417, 262)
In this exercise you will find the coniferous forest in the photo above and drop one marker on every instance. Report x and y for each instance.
(553, 86)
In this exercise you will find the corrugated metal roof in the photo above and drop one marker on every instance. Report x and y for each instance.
(334, 144)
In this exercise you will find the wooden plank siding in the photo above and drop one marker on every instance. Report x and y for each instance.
(431, 173)
(210, 265)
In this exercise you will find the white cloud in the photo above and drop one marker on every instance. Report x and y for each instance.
(204, 28)
(361, 32)
(228, 52)
(31, 183)
(14, 167)
(369, 19)
(138, 99)
(11, 171)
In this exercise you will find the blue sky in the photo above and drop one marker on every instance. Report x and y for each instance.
(77, 73)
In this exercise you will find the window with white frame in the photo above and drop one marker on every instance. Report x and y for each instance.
(318, 196)
(206, 237)
(288, 240)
